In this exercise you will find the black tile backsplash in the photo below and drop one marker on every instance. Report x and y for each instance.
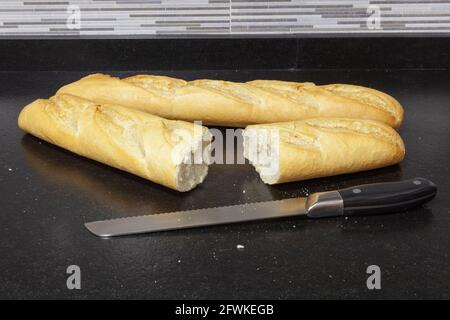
(225, 53)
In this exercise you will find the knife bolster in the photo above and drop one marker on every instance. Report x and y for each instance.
(325, 204)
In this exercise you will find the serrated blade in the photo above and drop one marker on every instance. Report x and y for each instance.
(198, 218)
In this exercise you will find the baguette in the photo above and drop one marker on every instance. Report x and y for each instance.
(227, 103)
(151, 147)
(313, 148)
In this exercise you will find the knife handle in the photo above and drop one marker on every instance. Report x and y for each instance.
(370, 199)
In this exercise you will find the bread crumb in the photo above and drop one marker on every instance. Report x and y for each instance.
(9, 169)
(240, 247)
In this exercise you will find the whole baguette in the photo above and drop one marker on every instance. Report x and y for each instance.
(300, 150)
(227, 103)
(151, 147)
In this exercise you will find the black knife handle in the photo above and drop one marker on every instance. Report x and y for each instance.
(369, 199)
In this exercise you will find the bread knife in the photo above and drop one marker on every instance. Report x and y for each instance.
(368, 199)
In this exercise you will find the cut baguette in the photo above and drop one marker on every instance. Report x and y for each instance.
(151, 147)
(320, 147)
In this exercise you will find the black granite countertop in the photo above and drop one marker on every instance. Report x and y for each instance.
(47, 194)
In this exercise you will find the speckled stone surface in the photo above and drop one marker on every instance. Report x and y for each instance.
(47, 194)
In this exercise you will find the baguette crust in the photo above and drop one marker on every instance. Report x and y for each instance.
(145, 145)
(341, 100)
(323, 147)
(227, 103)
